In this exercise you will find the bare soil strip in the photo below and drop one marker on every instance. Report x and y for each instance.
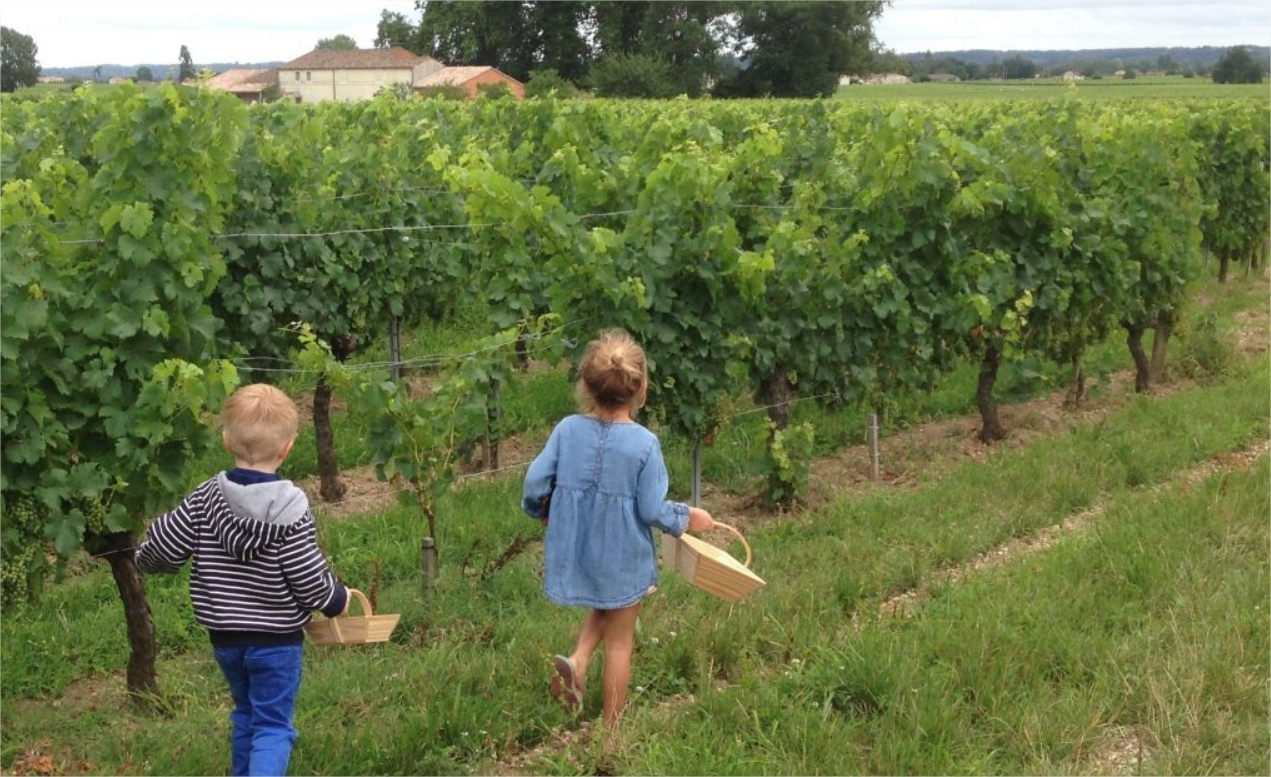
(906, 602)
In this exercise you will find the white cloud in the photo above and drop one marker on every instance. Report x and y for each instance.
(70, 33)
(133, 32)
(950, 25)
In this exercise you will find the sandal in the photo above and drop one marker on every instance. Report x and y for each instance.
(565, 686)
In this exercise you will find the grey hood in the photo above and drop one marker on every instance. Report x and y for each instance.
(259, 516)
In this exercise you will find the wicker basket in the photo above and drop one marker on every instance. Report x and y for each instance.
(352, 629)
(710, 568)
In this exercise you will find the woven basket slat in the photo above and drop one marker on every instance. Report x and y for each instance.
(710, 568)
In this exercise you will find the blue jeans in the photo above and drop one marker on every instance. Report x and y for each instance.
(264, 682)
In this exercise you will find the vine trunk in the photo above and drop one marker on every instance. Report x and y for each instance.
(143, 684)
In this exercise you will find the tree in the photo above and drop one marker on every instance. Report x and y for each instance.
(394, 29)
(799, 49)
(681, 34)
(686, 35)
(144, 74)
(495, 34)
(560, 42)
(187, 70)
(443, 92)
(1019, 68)
(515, 37)
(796, 49)
(1237, 67)
(888, 61)
(337, 43)
(547, 81)
(619, 26)
(632, 75)
(398, 90)
(17, 60)
(97, 74)
(495, 91)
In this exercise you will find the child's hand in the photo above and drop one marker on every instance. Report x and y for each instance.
(699, 520)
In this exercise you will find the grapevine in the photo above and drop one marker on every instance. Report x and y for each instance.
(790, 451)
(23, 551)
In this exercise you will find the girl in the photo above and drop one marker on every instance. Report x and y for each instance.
(602, 480)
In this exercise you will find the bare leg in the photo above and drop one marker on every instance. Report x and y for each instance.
(588, 639)
(618, 627)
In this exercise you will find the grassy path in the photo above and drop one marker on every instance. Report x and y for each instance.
(1128, 639)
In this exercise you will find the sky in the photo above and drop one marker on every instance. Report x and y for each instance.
(73, 33)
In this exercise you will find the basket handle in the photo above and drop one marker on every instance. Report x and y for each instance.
(744, 544)
(361, 598)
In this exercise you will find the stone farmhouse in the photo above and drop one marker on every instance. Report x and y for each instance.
(351, 74)
(888, 78)
(471, 79)
(249, 84)
(346, 75)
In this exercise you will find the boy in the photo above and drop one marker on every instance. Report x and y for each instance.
(257, 573)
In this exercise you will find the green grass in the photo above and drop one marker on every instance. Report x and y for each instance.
(1151, 624)
(1145, 623)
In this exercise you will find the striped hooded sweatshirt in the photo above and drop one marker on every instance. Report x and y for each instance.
(257, 571)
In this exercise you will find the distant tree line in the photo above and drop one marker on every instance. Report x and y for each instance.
(1232, 65)
(649, 49)
(1239, 67)
(19, 67)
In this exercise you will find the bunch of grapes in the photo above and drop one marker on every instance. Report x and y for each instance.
(95, 516)
(23, 557)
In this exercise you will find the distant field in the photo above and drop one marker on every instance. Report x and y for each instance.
(1105, 88)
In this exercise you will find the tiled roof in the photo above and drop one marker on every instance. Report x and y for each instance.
(353, 59)
(452, 75)
(244, 80)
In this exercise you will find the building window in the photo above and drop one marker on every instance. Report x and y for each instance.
(297, 75)
(308, 75)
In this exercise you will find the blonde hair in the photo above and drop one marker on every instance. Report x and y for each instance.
(612, 374)
(258, 422)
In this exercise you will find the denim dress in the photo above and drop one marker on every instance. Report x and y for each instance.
(606, 485)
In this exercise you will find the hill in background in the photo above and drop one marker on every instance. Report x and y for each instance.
(1195, 58)
(159, 71)
(1200, 57)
